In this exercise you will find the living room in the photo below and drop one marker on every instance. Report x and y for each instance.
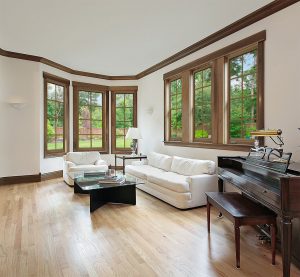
(142, 51)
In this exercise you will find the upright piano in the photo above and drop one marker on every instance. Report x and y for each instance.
(278, 191)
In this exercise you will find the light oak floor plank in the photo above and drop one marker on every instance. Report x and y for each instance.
(47, 230)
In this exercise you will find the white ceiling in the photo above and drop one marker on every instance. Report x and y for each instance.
(113, 37)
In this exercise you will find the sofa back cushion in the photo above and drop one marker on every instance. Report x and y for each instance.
(190, 167)
(83, 158)
(160, 161)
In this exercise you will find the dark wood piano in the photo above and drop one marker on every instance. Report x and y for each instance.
(278, 191)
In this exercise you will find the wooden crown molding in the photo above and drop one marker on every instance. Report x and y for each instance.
(263, 12)
(45, 61)
(254, 39)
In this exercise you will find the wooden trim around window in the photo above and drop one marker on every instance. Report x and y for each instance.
(50, 78)
(121, 90)
(104, 90)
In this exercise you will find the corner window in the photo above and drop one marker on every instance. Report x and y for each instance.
(56, 92)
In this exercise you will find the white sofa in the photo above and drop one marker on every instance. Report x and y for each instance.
(178, 181)
(82, 162)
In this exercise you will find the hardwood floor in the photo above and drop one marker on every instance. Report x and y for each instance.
(46, 230)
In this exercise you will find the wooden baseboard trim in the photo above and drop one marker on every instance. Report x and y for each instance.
(52, 175)
(20, 179)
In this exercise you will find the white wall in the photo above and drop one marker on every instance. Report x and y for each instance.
(282, 93)
(19, 129)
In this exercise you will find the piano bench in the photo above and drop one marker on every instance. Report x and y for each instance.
(241, 211)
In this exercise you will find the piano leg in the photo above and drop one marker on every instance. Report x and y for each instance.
(221, 189)
(286, 239)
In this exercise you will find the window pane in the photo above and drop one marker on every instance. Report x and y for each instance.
(84, 141)
(96, 113)
(249, 107)
(120, 124)
(120, 142)
(120, 132)
(84, 127)
(59, 109)
(198, 79)
(128, 124)
(50, 91)
(59, 142)
(51, 108)
(60, 93)
(84, 98)
(236, 129)
(207, 94)
(96, 142)
(236, 65)
(206, 77)
(249, 85)
(235, 109)
(50, 142)
(129, 114)
(129, 100)
(84, 112)
(120, 100)
(96, 98)
(97, 127)
(120, 114)
(249, 63)
(236, 87)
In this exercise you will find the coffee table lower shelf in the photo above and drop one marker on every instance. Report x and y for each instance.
(125, 194)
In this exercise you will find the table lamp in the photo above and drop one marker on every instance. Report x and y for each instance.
(134, 134)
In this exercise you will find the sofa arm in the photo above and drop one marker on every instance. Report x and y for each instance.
(199, 184)
(68, 164)
(100, 162)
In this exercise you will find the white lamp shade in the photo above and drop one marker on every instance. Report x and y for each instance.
(133, 133)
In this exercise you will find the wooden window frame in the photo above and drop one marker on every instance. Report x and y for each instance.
(104, 90)
(218, 60)
(50, 78)
(121, 90)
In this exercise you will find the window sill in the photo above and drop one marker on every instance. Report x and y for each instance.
(232, 147)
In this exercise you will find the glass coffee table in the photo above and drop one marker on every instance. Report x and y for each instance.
(102, 192)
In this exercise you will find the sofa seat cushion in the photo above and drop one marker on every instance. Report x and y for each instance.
(83, 158)
(142, 171)
(88, 168)
(170, 180)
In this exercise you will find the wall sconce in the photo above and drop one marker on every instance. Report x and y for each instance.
(18, 105)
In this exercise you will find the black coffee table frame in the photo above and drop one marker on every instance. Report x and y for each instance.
(124, 194)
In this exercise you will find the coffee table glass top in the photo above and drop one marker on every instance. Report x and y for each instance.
(92, 182)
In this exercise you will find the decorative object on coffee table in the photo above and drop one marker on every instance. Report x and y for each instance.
(134, 134)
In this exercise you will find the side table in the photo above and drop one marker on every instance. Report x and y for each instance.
(128, 157)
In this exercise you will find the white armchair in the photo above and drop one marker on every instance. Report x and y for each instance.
(82, 161)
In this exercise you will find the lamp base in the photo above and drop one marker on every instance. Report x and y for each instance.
(134, 146)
